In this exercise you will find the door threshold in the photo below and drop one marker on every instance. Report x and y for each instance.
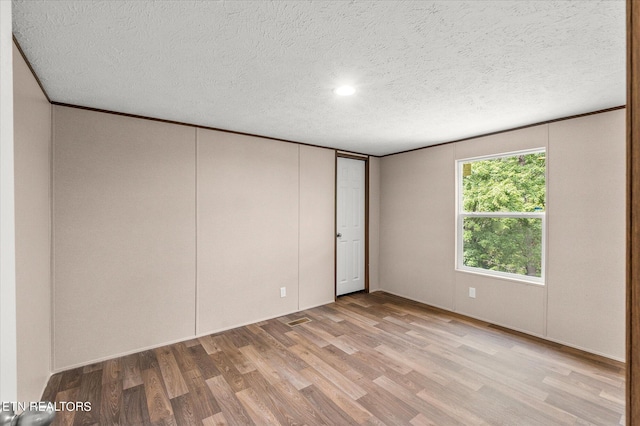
(353, 292)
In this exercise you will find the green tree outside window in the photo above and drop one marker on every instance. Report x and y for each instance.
(502, 186)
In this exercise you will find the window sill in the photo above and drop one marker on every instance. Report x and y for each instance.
(514, 279)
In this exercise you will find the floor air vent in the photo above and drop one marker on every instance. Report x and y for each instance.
(298, 322)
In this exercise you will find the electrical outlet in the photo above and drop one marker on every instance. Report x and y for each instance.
(472, 292)
(283, 292)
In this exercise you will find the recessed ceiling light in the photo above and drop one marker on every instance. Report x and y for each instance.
(345, 91)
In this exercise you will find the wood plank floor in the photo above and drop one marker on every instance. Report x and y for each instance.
(368, 359)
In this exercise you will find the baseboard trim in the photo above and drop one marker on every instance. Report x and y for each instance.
(590, 351)
(44, 388)
(206, 333)
(433, 305)
(510, 327)
(315, 306)
(171, 342)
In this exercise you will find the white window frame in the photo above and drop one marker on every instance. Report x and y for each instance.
(461, 215)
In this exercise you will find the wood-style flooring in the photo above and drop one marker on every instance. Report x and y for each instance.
(367, 359)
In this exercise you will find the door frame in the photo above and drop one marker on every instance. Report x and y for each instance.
(366, 220)
(633, 215)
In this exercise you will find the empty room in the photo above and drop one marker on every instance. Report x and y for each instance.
(319, 212)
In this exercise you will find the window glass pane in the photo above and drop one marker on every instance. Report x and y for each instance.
(507, 184)
(512, 245)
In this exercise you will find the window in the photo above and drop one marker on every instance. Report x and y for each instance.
(501, 215)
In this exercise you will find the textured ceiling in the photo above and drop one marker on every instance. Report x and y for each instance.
(426, 72)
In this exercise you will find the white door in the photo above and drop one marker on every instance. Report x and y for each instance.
(350, 226)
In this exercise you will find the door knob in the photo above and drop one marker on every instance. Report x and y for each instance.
(339, 235)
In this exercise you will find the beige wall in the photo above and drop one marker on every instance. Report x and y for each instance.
(417, 224)
(247, 229)
(317, 226)
(585, 250)
(586, 264)
(124, 234)
(133, 198)
(32, 156)
(128, 274)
